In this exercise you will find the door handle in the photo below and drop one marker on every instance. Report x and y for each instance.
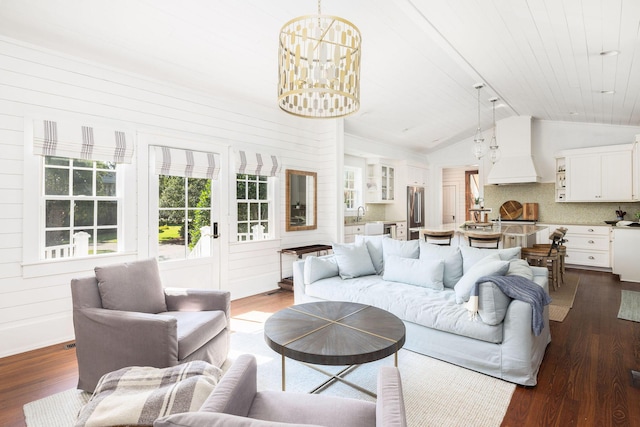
(215, 230)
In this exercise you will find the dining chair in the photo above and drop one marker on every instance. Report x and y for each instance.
(438, 237)
(484, 239)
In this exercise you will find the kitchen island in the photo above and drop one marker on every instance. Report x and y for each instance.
(522, 235)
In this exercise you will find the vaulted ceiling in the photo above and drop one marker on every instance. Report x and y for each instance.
(420, 60)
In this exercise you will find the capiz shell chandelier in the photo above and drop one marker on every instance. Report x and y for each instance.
(319, 66)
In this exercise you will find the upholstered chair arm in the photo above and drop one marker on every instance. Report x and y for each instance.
(212, 419)
(236, 390)
(179, 299)
(390, 411)
(113, 339)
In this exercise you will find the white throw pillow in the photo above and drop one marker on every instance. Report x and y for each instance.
(426, 273)
(374, 246)
(471, 255)
(401, 248)
(353, 260)
(319, 268)
(452, 260)
(491, 265)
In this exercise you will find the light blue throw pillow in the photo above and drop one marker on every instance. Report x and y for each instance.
(491, 265)
(316, 268)
(452, 260)
(401, 248)
(426, 273)
(353, 260)
(470, 256)
(374, 246)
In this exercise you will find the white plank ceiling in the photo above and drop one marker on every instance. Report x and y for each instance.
(421, 58)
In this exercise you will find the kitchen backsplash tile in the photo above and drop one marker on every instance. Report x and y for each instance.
(551, 211)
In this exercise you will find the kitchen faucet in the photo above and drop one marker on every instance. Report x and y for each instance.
(358, 214)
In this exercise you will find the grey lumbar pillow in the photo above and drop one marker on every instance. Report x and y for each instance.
(418, 272)
(353, 260)
(132, 286)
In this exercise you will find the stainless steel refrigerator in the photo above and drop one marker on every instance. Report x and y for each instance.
(415, 210)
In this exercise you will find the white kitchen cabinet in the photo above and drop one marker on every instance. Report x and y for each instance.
(600, 174)
(381, 183)
(626, 247)
(401, 230)
(416, 176)
(350, 232)
(588, 246)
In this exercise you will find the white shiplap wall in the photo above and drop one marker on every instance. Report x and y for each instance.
(35, 301)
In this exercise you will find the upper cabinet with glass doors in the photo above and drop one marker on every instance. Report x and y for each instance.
(381, 181)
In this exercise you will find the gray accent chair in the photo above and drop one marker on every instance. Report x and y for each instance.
(235, 402)
(124, 317)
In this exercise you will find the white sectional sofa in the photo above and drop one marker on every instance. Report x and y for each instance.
(427, 286)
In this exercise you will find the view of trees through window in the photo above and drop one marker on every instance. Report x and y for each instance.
(252, 194)
(81, 207)
(184, 209)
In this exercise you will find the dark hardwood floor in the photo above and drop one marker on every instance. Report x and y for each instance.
(585, 378)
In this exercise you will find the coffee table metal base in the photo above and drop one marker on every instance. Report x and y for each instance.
(338, 376)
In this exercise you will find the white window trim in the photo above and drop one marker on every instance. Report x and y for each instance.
(272, 185)
(33, 214)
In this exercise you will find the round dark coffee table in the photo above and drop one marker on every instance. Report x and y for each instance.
(334, 333)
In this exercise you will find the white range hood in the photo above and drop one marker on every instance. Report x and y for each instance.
(516, 164)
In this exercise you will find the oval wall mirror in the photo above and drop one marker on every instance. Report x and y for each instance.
(301, 200)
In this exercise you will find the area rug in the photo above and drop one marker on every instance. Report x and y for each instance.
(629, 306)
(563, 297)
(436, 393)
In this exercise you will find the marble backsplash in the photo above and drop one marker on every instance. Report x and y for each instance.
(549, 210)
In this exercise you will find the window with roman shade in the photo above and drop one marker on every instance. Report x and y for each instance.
(81, 196)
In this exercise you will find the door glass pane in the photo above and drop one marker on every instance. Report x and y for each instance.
(171, 191)
(171, 241)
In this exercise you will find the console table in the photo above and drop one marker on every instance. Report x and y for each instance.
(287, 282)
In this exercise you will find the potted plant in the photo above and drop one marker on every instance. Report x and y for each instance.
(476, 202)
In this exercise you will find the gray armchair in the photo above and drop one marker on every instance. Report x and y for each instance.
(235, 402)
(123, 317)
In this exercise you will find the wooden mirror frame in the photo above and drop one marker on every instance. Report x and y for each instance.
(290, 207)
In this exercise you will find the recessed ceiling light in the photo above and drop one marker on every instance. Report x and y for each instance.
(607, 92)
(573, 113)
(610, 53)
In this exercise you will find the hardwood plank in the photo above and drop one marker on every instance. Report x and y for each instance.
(584, 380)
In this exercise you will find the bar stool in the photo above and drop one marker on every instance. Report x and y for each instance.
(558, 234)
(438, 237)
(550, 256)
(484, 240)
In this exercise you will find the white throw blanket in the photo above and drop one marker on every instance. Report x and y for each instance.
(136, 396)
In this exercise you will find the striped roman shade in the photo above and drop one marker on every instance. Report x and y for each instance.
(77, 141)
(251, 163)
(192, 164)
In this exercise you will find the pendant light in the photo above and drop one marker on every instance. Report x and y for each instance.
(479, 147)
(494, 150)
(319, 66)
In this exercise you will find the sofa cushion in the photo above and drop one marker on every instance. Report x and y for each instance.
(492, 303)
(401, 248)
(317, 268)
(353, 260)
(374, 246)
(452, 260)
(131, 286)
(196, 328)
(489, 266)
(471, 255)
(520, 267)
(419, 272)
(413, 304)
